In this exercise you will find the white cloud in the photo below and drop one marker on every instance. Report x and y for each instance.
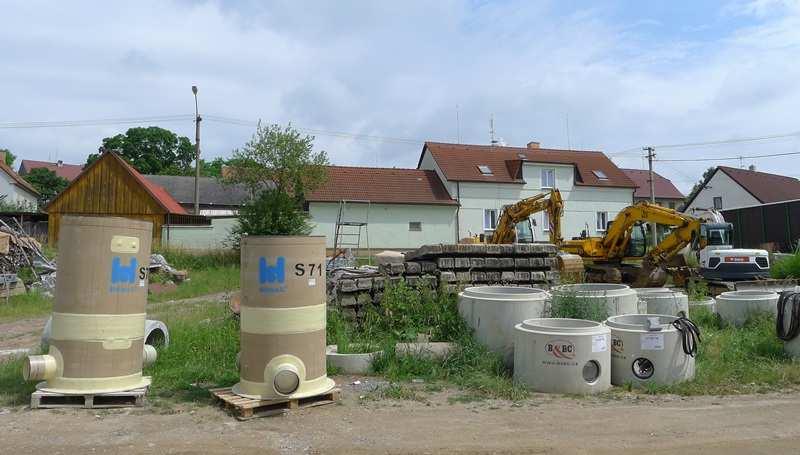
(399, 69)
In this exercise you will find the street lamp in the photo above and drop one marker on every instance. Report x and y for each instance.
(197, 120)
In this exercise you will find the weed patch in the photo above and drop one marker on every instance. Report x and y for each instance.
(786, 268)
(14, 391)
(203, 282)
(31, 305)
(207, 259)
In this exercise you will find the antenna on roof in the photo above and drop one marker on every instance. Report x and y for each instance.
(569, 141)
(491, 131)
(458, 125)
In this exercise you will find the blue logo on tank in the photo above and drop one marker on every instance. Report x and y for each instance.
(123, 277)
(272, 277)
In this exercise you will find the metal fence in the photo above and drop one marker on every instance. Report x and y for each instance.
(774, 227)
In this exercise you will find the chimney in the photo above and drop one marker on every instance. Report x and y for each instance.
(752, 167)
(533, 145)
(60, 163)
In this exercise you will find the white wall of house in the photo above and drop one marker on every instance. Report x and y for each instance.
(581, 203)
(388, 223)
(669, 203)
(198, 238)
(731, 194)
(14, 194)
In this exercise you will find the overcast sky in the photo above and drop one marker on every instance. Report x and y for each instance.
(610, 76)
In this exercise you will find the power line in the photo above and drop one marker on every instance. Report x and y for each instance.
(710, 143)
(95, 122)
(728, 158)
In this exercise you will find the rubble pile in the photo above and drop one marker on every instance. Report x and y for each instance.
(20, 251)
(447, 267)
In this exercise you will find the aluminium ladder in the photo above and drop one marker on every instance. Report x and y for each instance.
(347, 234)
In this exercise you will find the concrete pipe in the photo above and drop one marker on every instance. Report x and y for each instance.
(663, 301)
(97, 330)
(562, 356)
(706, 304)
(647, 348)
(282, 318)
(735, 307)
(355, 363)
(608, 298)
(493, 311)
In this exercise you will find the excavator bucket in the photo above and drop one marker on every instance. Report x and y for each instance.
(571, 266)
(650, 276)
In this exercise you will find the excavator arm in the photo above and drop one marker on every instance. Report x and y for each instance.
(505, 232)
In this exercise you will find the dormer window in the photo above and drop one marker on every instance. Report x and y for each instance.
(485, 170)
(600, 175)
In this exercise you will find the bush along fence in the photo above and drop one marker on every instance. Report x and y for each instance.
(448, 268)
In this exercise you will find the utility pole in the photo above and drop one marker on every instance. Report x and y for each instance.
(491, 130)
(197, 120)
(651, 153)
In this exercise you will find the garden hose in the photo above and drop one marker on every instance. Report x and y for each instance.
(690, 335)
(788, 298)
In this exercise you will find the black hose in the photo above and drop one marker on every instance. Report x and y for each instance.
(690, 335)
(788, 298)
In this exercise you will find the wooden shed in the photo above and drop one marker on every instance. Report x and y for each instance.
(112, 187)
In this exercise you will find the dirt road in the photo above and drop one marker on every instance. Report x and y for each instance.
(766, 424)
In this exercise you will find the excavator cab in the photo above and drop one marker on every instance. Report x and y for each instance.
(524, 231)
(637, 245)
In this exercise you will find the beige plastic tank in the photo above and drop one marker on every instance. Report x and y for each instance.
(555, 355)
(283, 318)
(98, 323)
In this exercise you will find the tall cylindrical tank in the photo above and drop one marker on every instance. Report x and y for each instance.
(663, 301)
(735, 307)
(607, 299)
(647, 348)
(493, 311)
(282, 318)
(98, 322)
(554, 355)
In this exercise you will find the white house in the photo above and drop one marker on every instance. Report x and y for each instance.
(729, 188)
(15, 190)
(483, 179)
(388, 207)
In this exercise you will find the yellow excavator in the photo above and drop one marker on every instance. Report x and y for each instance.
(626, 239)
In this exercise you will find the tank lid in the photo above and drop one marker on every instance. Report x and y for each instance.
(562, 325)
(640, 321)
(505, 293)
(593, 289)
(749, 294)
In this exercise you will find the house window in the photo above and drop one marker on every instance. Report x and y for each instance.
(415, 226)
(672, 205)
(600, 174)
(485, 170)
(602, 221)
(489, 219)
(548, 178)
(718, 202)
(545, 222)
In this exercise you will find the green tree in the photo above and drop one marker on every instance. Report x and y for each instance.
(152, 150)
(278, 166)
(46, 182)
(10, 157)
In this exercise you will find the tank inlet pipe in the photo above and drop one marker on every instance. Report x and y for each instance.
(690, 335)
(149, 355)
(39, 367)
(788, 298)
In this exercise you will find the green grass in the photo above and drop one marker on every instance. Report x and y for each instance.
(14, 391)
(202, 282)
(204, 340)
(31, 305)
(187, 260)
(566, 305)
(786, 268)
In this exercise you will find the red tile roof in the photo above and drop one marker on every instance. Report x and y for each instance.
(765, 187)
(382, 185)
(161, 195)
(17, 180)
(663, 187)
(459, 162)
(67, 171)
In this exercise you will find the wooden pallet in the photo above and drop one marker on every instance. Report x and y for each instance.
(248, 408)
(128, 398)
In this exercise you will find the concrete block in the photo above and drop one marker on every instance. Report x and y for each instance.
(463, 277)
(429, 280)
(363, 284)
(377, 297)
(447, 277)
(522, 248)
(552, 275)
(364, 298)
(477, 263)
(479, 276)
(349, 314)
(347, 285)
(551, 263)
(378, 282)
(508, 276)
(521, 263)
(413, 268)
(536, 263)
(452, 248)
(348, 300)
(538, 276)
(507, 250)
(505, 263)
(490, 262)
(427, 266)
(493, 249)
(446, 263)
(412, 280)
(461, 263)
(393, 269)
(523, 276)
(395, 280)
(493, 277)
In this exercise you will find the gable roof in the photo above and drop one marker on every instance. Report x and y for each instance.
(67, 171)
(662, 186)
(382, 185)
(17, 180)
(459, 162)
(765, 187)
(212, 191)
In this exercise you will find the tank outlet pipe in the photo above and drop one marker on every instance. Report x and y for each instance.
(149, 355)
(39, 368)
(788, 332)
(286, 379)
